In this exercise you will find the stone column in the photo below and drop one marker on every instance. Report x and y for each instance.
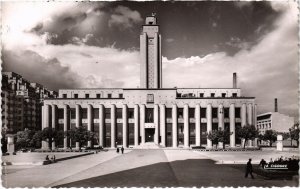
(142, 122)
(250, 120)
(113, 125)
(156, 124)
(125, 126)
(255, 115)
(249, 114)
(209, 123)
(54, 118)
(221, 121)
(136, 125)
(174, 125)
(101, 125)
(243, 115)
(163, 124)
(186, 126)
(90, 121)
(243, 120)
(78, 121)
(45, 144)
(198, 125)
(66, 124)
(232, 124)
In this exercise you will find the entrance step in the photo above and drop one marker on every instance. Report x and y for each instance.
(149, 145)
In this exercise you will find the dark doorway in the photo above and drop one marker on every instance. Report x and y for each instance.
(149, 134)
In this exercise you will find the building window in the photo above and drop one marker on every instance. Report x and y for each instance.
(212, 94)
(119, 113)
(168, 112)
(60, 113)
(109, 95)
(214, 112)
(201, 95)
(84, 113)
(238, 112)
(75, 95)
(96, 113)
(203, 112)
(73, 113)
(149, 115)
(120, 95)
(180, 113)
(87, 95)
(107, 113)
(234, 95)
(98, 95)
(130, 113)
(64, 95)
(192, 112)
(226, 112)
(223, 95)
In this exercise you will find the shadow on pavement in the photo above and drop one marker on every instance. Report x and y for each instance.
(183, 173)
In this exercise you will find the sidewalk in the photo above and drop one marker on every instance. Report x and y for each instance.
(44, 175)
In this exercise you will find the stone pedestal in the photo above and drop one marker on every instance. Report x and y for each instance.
(279, 144)
(10, 144)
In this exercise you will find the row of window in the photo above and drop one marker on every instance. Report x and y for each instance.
(201, 95)
(109, 95)
(149, 113)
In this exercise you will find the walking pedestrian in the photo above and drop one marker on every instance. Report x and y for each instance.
(117, 149)
(122, 149)
(249, 169)
(47, 157)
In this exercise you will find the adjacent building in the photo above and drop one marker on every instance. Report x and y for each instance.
(274, 121)
(135, 117)
(21, 103)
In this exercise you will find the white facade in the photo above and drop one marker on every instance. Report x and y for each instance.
(169, 117)
(274, 121)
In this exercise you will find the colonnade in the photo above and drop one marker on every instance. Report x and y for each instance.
(159, 121)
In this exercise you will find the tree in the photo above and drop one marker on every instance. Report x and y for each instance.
(219, 135)
(24, 139)
(271, 136)
(213, 136)
(79, 134)
(294, 133)
(248, 132)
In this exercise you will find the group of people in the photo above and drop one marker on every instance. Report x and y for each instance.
(292, 162)
(52, 158)
(122, 150)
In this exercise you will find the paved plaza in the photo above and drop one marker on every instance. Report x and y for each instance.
(142, 168)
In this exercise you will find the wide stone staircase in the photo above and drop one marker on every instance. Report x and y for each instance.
(149, 145)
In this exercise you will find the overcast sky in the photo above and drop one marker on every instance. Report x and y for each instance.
(96, 44)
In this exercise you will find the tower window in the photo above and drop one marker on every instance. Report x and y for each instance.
(75, 95)
(223, 95)
(212, 94)
(150, 23)
(87, 95)
(64, 95)
(98, 95)
(201, 95)
(109, 95)
(234, 95)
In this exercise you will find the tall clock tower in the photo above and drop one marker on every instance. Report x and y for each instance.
(150, 51)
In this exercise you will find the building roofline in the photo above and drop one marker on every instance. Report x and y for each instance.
(142, 88)
(215, 97)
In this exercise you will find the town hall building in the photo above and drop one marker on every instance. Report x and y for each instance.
(151, 114)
